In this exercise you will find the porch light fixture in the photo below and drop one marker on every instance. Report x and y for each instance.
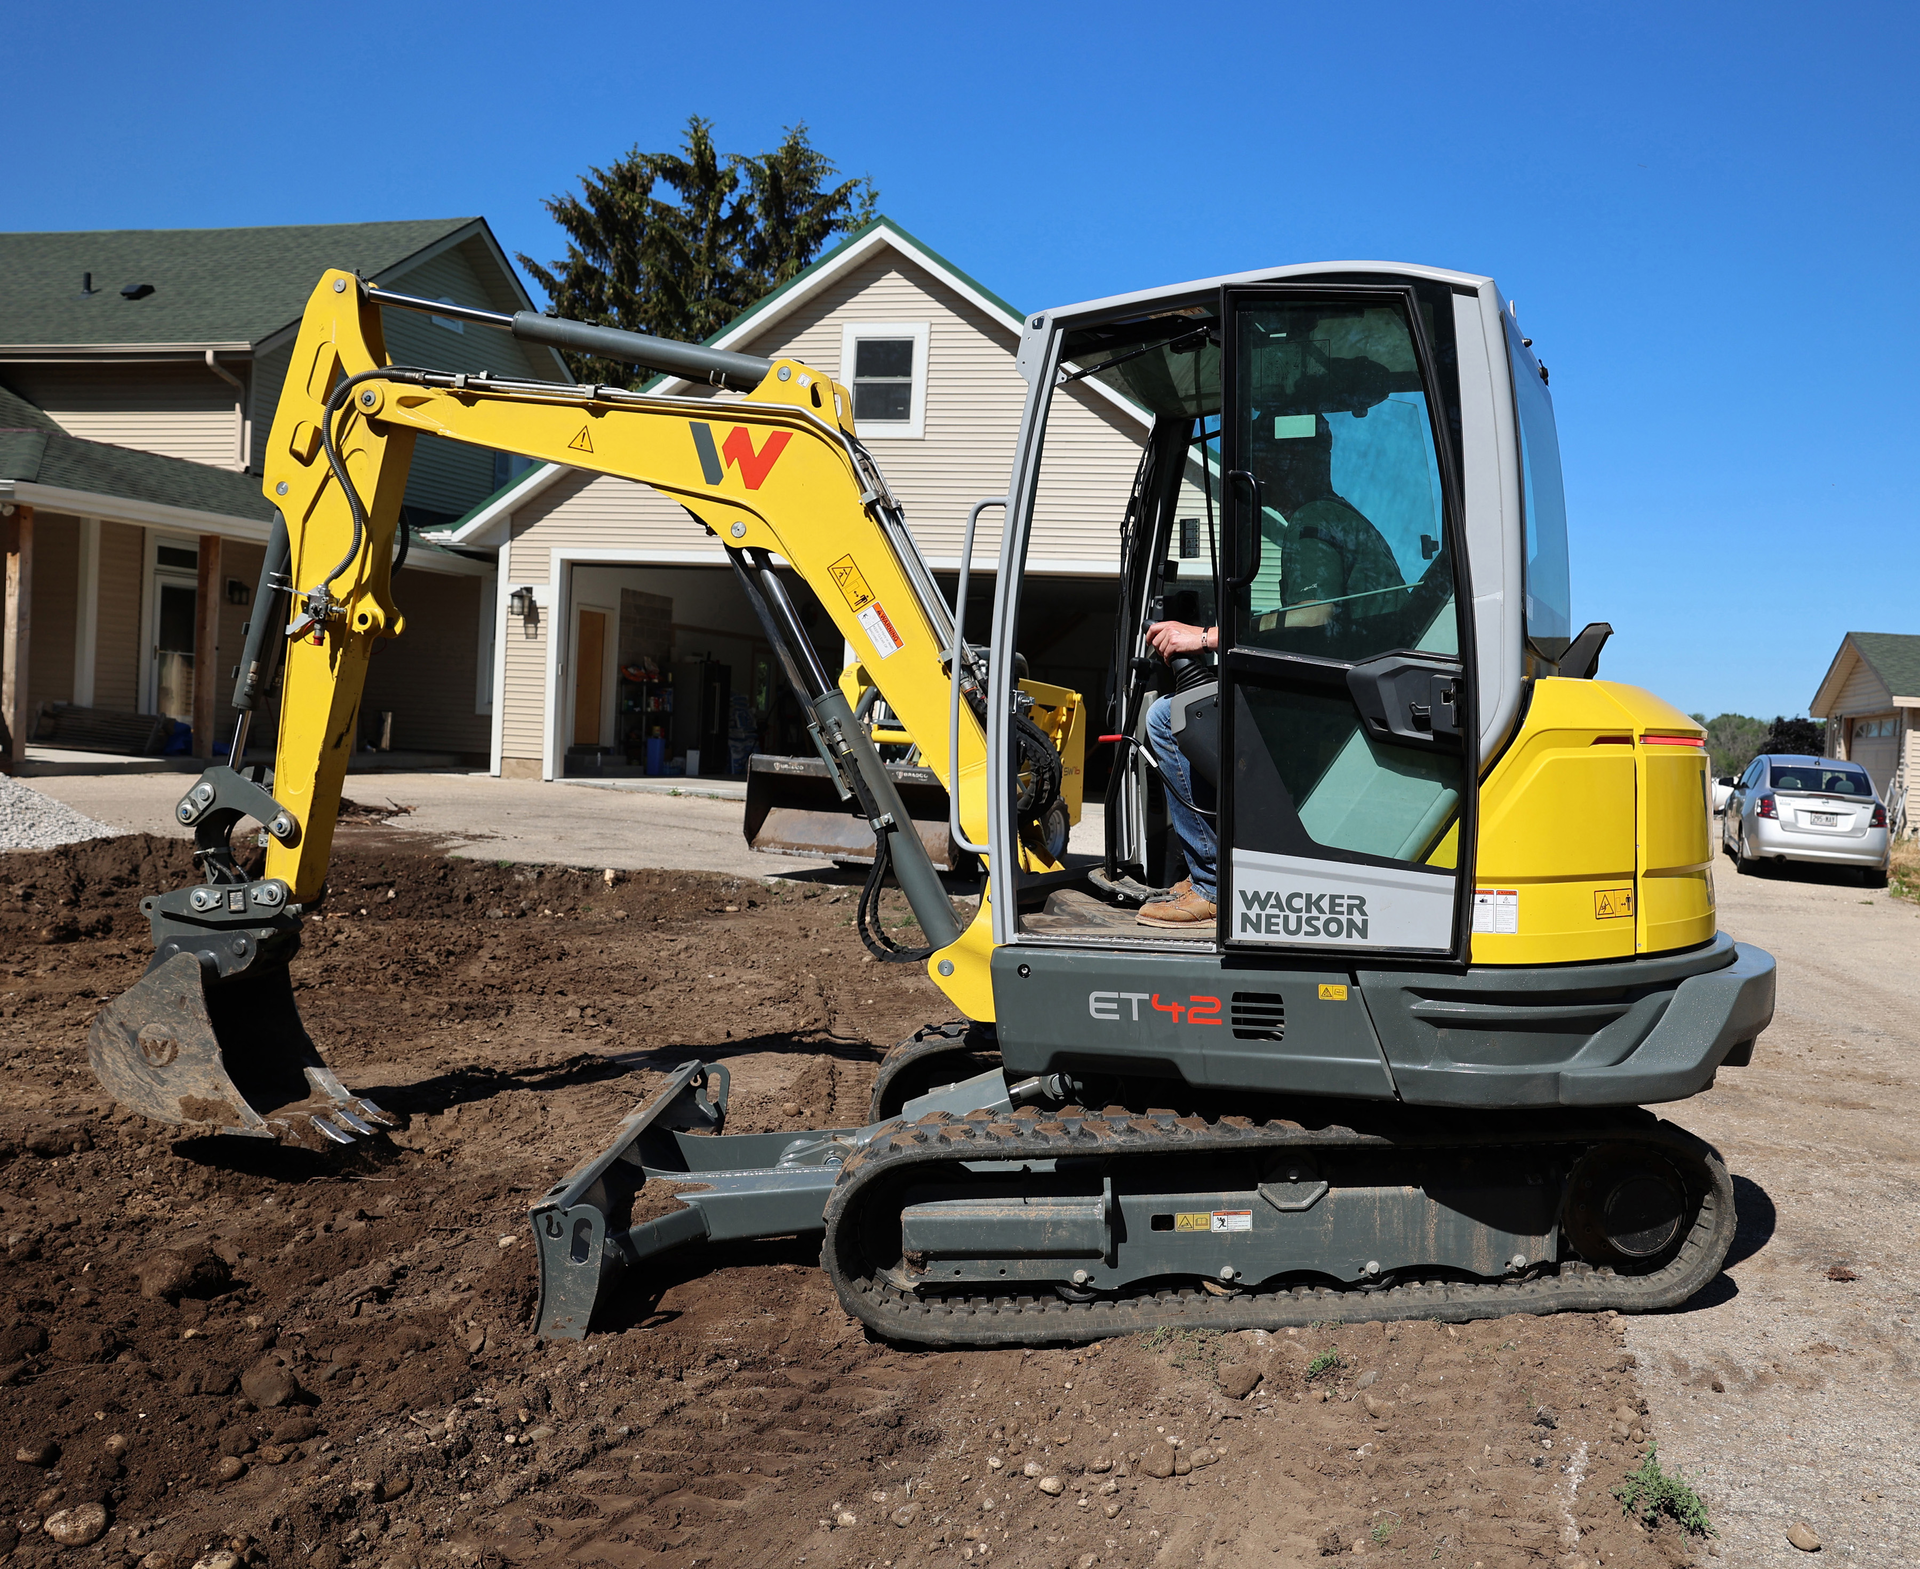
(520, 602)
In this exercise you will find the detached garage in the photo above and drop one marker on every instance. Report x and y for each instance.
(1870, 700)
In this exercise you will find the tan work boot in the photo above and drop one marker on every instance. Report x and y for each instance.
(1178, 890)
(1188, 912)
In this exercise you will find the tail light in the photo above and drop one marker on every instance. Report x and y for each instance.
(1764, 807)
(1879, 816)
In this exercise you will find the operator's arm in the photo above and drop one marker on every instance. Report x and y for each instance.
(1177, 637)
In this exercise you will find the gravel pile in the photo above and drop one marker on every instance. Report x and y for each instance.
(32, 821)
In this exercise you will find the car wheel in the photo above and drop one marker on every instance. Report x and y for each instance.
(1746, 865)
(1873, 877)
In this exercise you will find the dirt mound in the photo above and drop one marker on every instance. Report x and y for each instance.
(327, 1362)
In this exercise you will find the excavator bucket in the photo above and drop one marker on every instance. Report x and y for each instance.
(228, 1058)
(794, 807)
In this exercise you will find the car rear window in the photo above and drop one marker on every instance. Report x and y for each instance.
(1822, 781)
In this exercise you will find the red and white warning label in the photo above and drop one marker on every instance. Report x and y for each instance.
(1497, 910)
(880, 630)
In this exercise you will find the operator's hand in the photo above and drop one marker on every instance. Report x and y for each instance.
(1176, 637)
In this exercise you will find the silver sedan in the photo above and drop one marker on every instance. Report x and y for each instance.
(1817, 809)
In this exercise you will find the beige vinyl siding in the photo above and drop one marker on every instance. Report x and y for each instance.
(1863, 692)
(587, 512)
(425, 678)
(974, 402)
(522, 729)
(448, 477)
(56, 583)
(116, 656)
(177, 409)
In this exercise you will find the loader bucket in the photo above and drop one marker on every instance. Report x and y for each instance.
(227, 1058)
(794, 807)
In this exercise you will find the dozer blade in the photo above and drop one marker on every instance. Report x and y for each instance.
(231, 1058)
(669, 1177)
(795, 808)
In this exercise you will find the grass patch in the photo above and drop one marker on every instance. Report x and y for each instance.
(1650, 1492)
(1903, 880)
(1328, 1362)
(1184, 1347)
(1383, 1529)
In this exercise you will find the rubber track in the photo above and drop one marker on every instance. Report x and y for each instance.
(931, 1041)
(977, 1320)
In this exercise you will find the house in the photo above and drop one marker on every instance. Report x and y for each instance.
(600, 576)
(139, 372)
(1870, 699)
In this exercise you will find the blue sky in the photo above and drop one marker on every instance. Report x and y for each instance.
(1704, 212)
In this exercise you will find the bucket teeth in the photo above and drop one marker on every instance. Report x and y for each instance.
(353, 1124)
(328, 1131)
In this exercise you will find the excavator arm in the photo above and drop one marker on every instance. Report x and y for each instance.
(210, 1036)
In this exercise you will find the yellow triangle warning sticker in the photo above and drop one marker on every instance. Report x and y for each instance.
(582, 442)
(1612, 904)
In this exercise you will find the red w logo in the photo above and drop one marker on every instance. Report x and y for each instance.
(754, 467)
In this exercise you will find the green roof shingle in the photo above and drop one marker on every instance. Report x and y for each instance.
(1895, 658)
(51, 458)
(209, 285)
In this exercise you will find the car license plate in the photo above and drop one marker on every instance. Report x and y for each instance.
(1824, 819)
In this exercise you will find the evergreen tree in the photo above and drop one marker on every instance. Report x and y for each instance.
(678, 244)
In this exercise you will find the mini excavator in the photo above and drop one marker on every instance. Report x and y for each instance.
(1465, 929)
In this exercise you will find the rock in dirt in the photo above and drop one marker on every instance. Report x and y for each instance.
(1052, 1486)
(1239, 1380)
(1367, 1379)
(174, 1273)
(116, 1444)
(906, 1517)
(220, 1558)
(296, 1430)
(76, 1527)
(230, 1468)
(270, 1383)
(396, 1486)
(1031, 1468)
(157, 1560)
(1157, 1461)
(37, 1451)
(1802, 1536)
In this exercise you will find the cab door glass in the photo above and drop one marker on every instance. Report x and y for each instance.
(1348, 708)
(1350, 557)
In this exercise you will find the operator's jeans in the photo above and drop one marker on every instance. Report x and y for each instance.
(1196, 833)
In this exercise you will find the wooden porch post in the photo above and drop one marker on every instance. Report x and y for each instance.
(17, 638)
(206, 652)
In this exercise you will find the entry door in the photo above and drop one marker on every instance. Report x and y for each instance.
(175, 604)
(589, 675)
(1346, 703)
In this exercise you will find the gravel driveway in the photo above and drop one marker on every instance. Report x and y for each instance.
(1786, 1394)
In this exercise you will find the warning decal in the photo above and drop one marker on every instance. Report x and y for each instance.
(1612, 904)
(1214, 1220)
(880, 631)
(846, 577)
(1333, 993)
(582, 442)
(1497, 910)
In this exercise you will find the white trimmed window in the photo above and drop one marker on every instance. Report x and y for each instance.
(884, 365)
